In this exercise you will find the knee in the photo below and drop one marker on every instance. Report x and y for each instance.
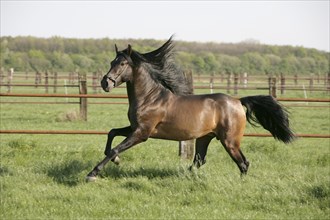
(112, 133)
(111, 153)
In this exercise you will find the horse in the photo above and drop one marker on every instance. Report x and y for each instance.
(162, 106)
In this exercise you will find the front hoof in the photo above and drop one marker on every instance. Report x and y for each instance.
(90, 179)
(116, 160)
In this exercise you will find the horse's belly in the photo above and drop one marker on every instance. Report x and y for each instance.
(172, 134)
(185, 131)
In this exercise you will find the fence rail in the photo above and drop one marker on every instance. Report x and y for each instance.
(113, 96)
(229, 82)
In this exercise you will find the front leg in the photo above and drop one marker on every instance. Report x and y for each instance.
(133, 139)
(111, 135)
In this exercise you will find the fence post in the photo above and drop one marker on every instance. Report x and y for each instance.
(46, 81)
(99, 78)
(236, 84)
(55, 82)
(272, 85)
(269, 84)
(10, 78)
(2, 75)
(228, 82)
(186, 148)
(328, 81)
(296, 79)
(94, 82)
(83, 101)
(36, 81)
(326, 78)
(311, 82)
(245, 79)
(282, 83)
(211, 85)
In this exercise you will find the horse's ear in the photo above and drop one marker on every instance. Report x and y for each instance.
(116, 48)
(129, 50)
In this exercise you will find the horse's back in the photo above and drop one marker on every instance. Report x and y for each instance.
(220, 107)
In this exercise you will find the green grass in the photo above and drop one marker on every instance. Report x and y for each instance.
(43, 176)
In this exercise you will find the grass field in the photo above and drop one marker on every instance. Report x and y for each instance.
(42, 176)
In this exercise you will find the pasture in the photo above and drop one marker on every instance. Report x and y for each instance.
(43, 176)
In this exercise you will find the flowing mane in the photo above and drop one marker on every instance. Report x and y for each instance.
(162, 69)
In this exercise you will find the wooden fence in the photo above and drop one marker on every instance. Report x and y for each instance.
(83, 96)
(229, 82)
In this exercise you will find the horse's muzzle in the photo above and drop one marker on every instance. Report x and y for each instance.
(104, 84)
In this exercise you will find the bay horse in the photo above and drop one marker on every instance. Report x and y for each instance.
(161, 106)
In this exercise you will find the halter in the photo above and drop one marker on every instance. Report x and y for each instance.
(112, 80)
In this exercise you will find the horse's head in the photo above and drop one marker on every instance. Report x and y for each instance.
(121, 70)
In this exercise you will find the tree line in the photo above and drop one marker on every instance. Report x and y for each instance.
(88, 55)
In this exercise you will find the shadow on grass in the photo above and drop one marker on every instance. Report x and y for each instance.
(117, 172)
(4, 171)
(319, 192)
(68, 172)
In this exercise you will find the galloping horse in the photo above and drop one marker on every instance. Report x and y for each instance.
(161, 106)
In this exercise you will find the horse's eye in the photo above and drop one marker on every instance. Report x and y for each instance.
(122, 64)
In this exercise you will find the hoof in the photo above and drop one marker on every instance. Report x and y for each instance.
(116, 160)
(91, 178)
(192, 168)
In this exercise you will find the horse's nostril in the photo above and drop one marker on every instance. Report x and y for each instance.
(104, 83)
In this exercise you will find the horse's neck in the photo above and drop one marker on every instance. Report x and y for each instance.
(130, 93)
(144, 89)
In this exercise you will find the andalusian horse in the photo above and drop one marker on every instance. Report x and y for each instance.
(161, 106)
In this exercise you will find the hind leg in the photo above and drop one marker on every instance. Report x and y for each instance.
(233, 149)
(201, 146)
(247, 163)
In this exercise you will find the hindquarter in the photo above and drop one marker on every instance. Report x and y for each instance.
(231, 120)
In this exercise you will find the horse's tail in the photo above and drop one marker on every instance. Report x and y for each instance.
(273, 117)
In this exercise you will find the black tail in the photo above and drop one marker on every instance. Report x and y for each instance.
(273, 117)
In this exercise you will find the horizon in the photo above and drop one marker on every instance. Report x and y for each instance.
(247, 41)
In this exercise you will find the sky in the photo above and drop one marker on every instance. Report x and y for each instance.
(296, 23)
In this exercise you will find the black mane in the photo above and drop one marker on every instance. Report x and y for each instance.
(162, 69)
